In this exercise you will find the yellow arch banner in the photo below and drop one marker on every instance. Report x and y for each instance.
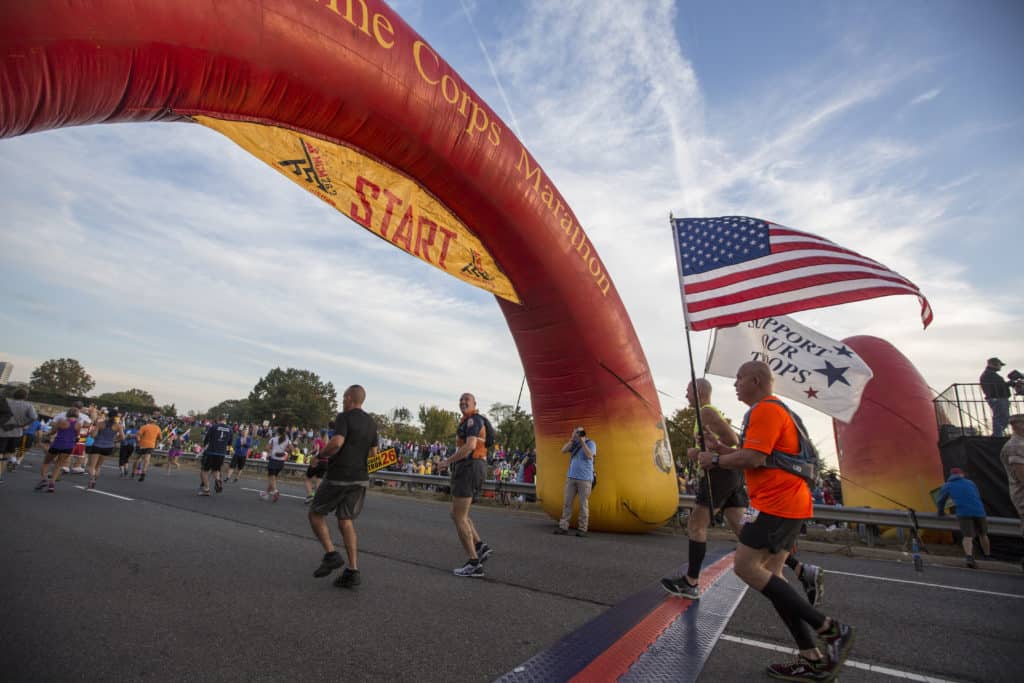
(375, 196)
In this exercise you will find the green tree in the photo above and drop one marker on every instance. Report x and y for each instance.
(680, 435)
(237, 410)
(136, 398)
(515, 431)
(62, 376)
(170, 410)
(438, 424)
(500, 412)
(297, 397)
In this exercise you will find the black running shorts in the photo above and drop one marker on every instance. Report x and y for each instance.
(9, 444)
(973, 526)
(727, 490)
(274, 467)
(238, 461)
(98, 450)
(770, 532)
(468, 478)
(213, 463)
(344, 500)
(60, 451)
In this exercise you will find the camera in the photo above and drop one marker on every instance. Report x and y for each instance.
(1017, 382)
(580, 431)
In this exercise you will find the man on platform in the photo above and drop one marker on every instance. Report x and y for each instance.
(997, 394)
(784, 502)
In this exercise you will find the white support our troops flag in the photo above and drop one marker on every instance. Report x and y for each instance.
(809, 367)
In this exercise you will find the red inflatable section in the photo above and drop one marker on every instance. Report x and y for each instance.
(891, 445)
(353, 74)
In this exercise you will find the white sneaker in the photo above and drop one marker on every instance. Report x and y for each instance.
(264, 496)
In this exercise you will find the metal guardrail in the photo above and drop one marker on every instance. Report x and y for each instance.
(900, 519)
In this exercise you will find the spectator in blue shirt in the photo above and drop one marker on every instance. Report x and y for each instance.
(969, 511)
(579, 481)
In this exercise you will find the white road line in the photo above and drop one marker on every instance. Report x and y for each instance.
(103, 493)
(283, 495)
(873, 668)
(927, 585)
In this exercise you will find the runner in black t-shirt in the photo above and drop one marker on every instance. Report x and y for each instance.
(343, 490)
(216, 441)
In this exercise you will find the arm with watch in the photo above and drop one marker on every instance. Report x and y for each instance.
(729, 458)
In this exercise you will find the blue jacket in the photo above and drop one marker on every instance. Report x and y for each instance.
(965, 496)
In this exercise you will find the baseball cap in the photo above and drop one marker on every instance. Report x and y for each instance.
(955, 470)
(995, 361)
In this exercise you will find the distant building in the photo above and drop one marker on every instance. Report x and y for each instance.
(5, 371)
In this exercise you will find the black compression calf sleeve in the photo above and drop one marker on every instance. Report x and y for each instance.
(697, 551)
(788, 601)
(791, 561)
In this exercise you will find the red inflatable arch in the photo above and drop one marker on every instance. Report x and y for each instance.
(344, 98)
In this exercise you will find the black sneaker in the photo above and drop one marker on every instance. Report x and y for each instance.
(41, 485)
(142, 477)
(838, 639)
(473, 570)
(330, 562)
(581, 534)
(217, 486)
(681, 587)
(559, 531)
(483, 551)
(349, 578)
(813, 580)
(969, 561)
(803, 669)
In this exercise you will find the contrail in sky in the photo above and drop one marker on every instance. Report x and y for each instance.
(494, 73)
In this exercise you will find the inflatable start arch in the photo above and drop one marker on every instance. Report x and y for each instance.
(343, 98)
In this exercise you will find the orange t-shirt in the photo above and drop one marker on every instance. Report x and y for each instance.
(148, 434)
(775, 491)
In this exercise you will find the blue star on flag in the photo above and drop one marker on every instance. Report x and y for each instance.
(843, 351)
(833, 373)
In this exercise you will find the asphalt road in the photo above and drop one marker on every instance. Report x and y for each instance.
(159, 584)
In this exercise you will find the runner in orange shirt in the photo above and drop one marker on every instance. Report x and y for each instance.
(148, 435)
(784, 501)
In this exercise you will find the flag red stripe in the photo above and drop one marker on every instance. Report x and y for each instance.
(772, 269)
(803, 283)
(802, 305)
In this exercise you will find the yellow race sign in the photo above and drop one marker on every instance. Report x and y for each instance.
(381, 460)
(376, 196)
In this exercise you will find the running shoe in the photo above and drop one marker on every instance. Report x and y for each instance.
(813, 580)
(581, 534)
(969, 561)
(264, 495)
(276, 497)
(203, 492)
(92, 484)
(473, 570)
(559, 531)
(50, 488)
(483, 551)
(803, 669)
(41, 485)
(330, 562)
(142, 477)
(349, 578)
(681, 587)
(838, 639)
(217, 486)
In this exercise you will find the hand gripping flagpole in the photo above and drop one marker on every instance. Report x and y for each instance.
(689, 353)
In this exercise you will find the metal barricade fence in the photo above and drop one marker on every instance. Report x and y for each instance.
(899, 519)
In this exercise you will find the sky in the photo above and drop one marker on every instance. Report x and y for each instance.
(164, 257)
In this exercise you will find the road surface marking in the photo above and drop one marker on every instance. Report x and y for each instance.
(927, 585)
(873, 668)
(283, 495)
(103, 493)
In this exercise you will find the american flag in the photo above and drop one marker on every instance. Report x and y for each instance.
(736, 269)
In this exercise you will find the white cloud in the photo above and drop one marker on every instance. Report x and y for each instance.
(926, 96)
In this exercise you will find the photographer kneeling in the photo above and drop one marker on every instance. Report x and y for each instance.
(579, 481)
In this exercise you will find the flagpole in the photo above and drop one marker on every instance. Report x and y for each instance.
(689, 353)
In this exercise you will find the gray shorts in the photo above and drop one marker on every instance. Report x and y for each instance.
(468, 478)
(973, 526)
(344, 500)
